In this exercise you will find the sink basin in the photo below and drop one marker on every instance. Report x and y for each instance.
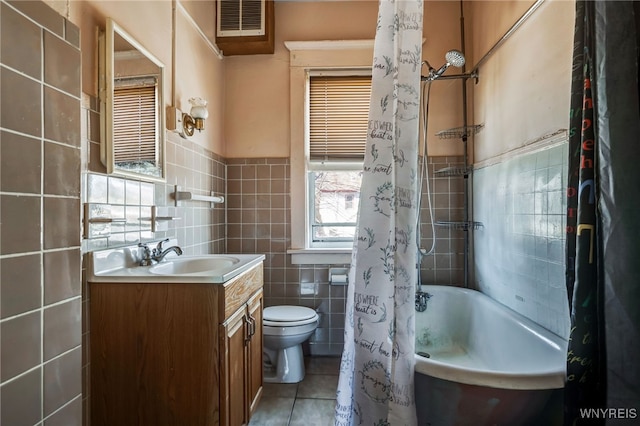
(194, 265)
(123, 265)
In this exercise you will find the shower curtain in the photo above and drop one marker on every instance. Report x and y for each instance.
(377, 368)
(603, 201)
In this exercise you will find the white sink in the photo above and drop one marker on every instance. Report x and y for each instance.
(194, 265)
(122, 265)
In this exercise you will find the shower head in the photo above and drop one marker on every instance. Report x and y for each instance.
(453, 57)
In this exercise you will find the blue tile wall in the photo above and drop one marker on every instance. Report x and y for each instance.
(519, 251)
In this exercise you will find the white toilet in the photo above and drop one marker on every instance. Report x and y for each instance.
(284, 329)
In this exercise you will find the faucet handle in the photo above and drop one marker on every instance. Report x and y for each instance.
(146, 254)
(158, 248)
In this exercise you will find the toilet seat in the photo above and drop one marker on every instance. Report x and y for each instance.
(288, 316)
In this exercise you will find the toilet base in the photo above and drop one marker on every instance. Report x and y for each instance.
(289, 366)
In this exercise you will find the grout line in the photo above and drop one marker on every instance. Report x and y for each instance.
(293, 406)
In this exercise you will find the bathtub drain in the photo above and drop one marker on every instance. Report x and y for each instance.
(424, 354)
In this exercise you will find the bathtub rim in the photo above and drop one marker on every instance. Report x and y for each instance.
(552, 378)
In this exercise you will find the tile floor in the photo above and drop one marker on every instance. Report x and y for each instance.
(308, 403)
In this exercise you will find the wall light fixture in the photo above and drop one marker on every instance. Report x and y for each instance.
(195, 119)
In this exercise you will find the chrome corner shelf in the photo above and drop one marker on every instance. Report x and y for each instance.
(459, 132)
(454, 171)
(459, 226)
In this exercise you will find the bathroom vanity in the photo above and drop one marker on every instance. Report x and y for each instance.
(176, 349)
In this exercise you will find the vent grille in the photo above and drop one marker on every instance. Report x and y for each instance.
(241, 18)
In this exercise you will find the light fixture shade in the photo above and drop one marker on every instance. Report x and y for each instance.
(199, 108)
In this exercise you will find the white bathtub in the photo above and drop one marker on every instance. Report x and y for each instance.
(482, 363)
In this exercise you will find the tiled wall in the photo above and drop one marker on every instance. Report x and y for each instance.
(445, 266)
(259, 222)
(519, 252)
(199, 228)
(40, 290)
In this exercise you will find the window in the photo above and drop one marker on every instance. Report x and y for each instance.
(338, 110)
(333, 211)
(135, 103)
(315, 59)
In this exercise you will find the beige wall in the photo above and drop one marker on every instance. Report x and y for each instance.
(199, 73)
(248, 96)
(524, 88)
(441, 30)
(257, 87)
(257, 107)
(192, 69)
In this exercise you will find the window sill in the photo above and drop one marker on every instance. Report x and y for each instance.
(313, 256)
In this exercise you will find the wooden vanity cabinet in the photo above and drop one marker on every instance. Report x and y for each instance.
(176, 353)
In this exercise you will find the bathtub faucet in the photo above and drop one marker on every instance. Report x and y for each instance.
(422, 297)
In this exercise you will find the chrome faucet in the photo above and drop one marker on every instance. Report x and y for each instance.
(149, 257)
(158, 254)
(422, 297)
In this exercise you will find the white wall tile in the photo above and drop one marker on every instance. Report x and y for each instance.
(519, 252)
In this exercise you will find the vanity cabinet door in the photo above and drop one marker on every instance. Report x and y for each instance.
(241, 362)
(234, 373)
(254, 309)
(154, 354)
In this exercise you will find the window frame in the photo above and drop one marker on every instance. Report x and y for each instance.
(306, 56)
(134, 135)
(327, 164)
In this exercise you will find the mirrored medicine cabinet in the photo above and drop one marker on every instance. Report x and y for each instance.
(132, 119)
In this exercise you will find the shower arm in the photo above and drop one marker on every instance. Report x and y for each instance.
(451, 77)
(453, 58)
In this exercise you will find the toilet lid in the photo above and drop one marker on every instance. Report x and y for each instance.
(288, 313)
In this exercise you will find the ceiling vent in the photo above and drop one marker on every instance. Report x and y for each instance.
(239, 18)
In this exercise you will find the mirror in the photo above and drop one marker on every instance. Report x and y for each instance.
(132, 105)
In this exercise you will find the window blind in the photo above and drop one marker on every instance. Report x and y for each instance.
(134, 124)
(338, 117)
